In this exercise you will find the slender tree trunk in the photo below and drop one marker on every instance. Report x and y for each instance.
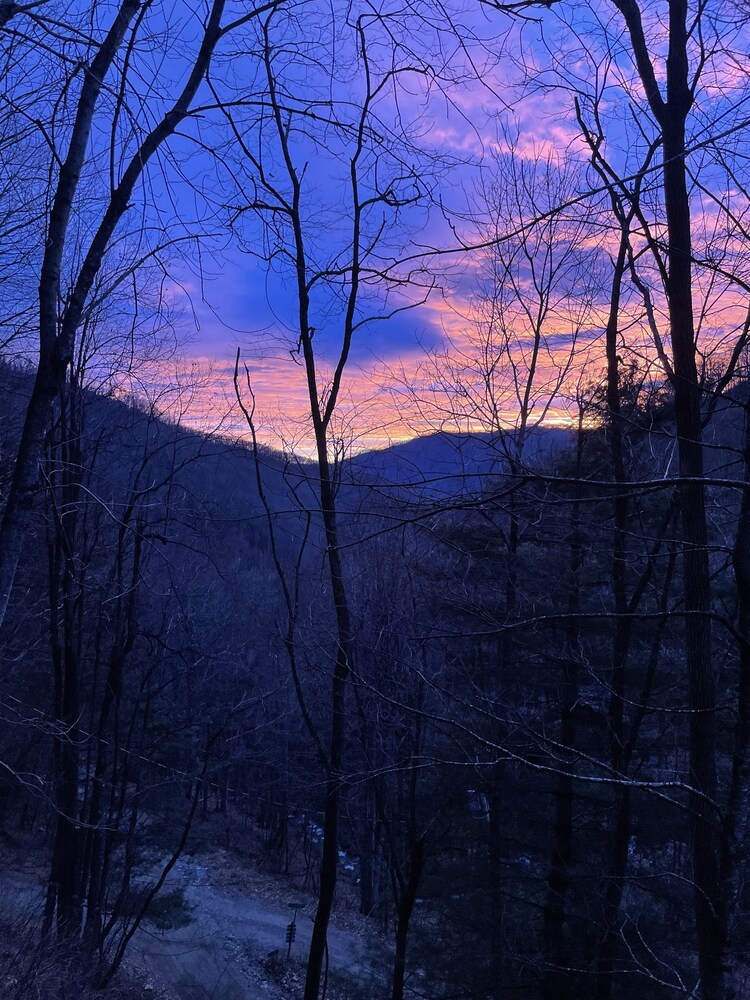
(701, 685)
(555, 980)
(495, 835)
(125, 632)
(405, 910)
(555, 984)
(65, 639)
(620, 832)
(737, 809)
(369, 844)
(329, 861)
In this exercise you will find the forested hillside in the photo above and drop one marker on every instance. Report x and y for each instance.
(374, 499)
(513, 771)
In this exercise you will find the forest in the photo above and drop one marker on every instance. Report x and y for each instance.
(434, 682)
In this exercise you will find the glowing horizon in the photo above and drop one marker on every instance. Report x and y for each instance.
(516, 152)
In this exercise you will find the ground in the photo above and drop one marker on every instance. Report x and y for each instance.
(224, 938)
(236, 939)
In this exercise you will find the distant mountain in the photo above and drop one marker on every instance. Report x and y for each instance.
(220, 472)
(445, 464)
(210, 483)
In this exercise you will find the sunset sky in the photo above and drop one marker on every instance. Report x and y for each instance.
(403, 372)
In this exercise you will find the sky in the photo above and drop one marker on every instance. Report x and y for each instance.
(471, 132)
(457, 139)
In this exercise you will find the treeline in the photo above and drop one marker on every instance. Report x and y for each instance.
(515, 795)
(132, 661)
(541, 773)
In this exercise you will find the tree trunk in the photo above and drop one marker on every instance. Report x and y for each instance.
(405, 910)
(671, 114)
(620, 831)
(696, 585)
(736, 812)
(555, 980)
(329, 861)
(495, 833)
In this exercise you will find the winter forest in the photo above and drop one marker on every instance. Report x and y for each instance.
(375, 497)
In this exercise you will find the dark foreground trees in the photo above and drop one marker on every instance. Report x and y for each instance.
(525, 696)
(672, 71)
(671, 114)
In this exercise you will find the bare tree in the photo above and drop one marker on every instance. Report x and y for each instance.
(103, 74)
(339, 292)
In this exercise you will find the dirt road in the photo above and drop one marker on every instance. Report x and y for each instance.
(219, 955)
